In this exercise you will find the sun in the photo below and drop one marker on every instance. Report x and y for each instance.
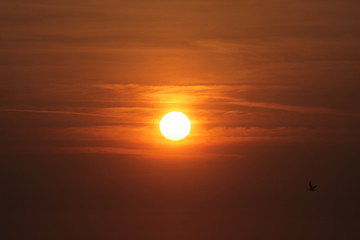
(175, 126)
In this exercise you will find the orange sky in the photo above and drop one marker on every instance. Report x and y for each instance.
(271, 88)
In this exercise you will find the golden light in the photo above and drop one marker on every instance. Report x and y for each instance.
(175, 126)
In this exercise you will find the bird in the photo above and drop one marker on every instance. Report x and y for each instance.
(311, 187)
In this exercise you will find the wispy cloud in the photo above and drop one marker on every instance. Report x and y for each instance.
(50, 112)
(127, 120)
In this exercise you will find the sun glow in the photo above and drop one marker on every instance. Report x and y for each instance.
(175, 126)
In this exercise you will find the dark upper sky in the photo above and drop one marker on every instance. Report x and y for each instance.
(271, 88)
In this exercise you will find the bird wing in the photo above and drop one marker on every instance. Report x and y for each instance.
(310, 185)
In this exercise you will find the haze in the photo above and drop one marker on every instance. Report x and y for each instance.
(271, 88)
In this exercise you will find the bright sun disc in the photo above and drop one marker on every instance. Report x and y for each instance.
(175, 126)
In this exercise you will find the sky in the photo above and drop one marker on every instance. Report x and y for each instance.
(271, 89)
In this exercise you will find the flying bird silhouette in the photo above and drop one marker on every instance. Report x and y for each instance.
(311, 187)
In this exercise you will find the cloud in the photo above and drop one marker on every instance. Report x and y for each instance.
(124, 120)
(245, 69)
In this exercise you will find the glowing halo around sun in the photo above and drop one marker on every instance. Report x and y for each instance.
(175, 126)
